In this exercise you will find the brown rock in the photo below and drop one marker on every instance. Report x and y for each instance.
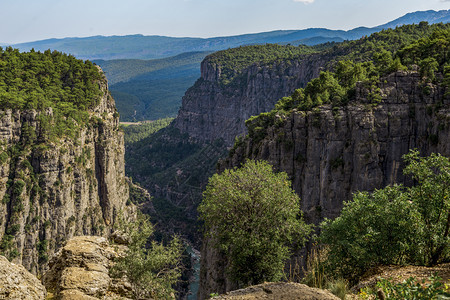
(89, 282)
(17, 283)
(74, 295)
(278, 291)
(81, 269)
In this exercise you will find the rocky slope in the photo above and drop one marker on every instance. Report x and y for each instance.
(18, 283)
(54, 190)
(331, 153)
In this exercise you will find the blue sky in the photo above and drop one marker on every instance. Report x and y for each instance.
(30, 20)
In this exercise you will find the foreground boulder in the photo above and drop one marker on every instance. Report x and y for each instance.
(278, 291)
(17, 283)
(80, 270)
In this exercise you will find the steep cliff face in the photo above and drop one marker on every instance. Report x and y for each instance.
(53, 190)
(331, 153)
(211, 110)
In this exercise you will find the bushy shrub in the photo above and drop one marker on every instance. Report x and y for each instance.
(394, 225)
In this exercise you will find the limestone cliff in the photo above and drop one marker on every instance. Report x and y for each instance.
(211, 110)
(331, 153)
(55, 189)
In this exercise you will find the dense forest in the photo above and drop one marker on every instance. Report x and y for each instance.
(50, 80)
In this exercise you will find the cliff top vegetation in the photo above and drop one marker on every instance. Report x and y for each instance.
(35, 80)
(233, 61)
(386, 52)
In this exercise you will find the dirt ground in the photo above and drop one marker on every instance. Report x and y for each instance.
(401, 273)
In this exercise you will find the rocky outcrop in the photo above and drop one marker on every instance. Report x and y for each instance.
(331, 153)
(18, 283)
(211, 110)
(81, 269)
(278, 291)
(54, 189)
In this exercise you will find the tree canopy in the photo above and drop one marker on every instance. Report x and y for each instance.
(253, 216)
(35, 80)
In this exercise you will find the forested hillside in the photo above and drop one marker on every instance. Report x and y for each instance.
(151, 89)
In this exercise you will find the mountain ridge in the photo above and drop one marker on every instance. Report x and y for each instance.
(156, 46)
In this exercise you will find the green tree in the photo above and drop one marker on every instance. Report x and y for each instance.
(431, 197)
(151, 268)
(373, 229)
(253, 216)
(428, 66)
(394, 225)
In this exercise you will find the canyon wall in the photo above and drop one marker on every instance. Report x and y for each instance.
(54, 189)
(211, 110)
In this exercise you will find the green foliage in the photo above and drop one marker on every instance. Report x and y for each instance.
(8, 246)
(391, 40)
(430, 51)
(42, 247)
(163, 153)
(152, 268)
(372, 229)
(134, 133)
(233, 61)
(409, 289)
(394, 225)
(3, 157)
(431, 197)
(364, 61)
(254, 216)
(137, 194)
(18, 187)
(338, 288)
(36, 80)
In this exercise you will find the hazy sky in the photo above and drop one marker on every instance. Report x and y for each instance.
(30, 20)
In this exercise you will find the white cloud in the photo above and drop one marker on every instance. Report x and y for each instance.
(311, 1)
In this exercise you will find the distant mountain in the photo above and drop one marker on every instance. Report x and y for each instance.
(152, 47)
(148, 75)
(429, 16)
